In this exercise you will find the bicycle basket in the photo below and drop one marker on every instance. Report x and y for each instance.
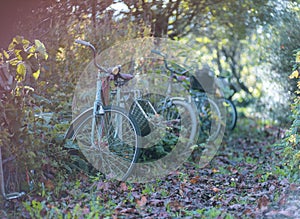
(139, 110)
(195, 85)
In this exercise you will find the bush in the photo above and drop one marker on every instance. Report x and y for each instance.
(20, 132)
(292, 140)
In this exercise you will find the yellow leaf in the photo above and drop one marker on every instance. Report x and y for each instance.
(292, 139)
(214, 170)
(297, 156)
(36, 74)
(21, 69)
(298, 84)
(6, 55)
(25, 42)
(298, 56)
(295, 74)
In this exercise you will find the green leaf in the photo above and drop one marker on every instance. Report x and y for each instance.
(41, 48)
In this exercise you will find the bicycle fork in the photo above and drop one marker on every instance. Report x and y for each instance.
(98, 106)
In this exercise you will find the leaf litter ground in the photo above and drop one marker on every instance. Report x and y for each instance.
(238, 183)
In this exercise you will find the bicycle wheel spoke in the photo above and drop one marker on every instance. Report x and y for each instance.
(109, 142)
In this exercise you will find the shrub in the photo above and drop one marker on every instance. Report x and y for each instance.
(292, 140)
(20, 137)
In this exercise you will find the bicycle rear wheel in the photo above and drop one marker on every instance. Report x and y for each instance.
(210, 118)
(109, 142)
(231, 113)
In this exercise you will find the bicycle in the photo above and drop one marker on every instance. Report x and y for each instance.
(208, 110)
(107, 135)
(227, 104)
(165, 121)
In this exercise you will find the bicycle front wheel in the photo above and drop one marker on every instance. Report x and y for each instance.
(109, 142)
(173, 129)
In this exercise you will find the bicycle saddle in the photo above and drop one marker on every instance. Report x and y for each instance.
(125, 76)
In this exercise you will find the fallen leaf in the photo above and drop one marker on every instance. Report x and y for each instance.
(214, 170)
(247, 211)
(263, 202)
(156, 202)
(103, 186)
(282, 200)
(294, 187)
(142, 202)
(49, 184)
(279, 214)
(216, 189)
(235, 207)
(195, 179)
(128, 210)
(175, 205)
(123, 187)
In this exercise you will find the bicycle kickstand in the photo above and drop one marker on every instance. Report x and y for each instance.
(8, 196)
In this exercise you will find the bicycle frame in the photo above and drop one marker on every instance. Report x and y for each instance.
(103, 75)
(172, 76)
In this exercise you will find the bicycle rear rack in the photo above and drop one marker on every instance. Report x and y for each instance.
(8, 196)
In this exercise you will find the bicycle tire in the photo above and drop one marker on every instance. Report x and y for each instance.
(231, 113)
(103, 150)
(193, 116)
(168, 137)
(210, 118)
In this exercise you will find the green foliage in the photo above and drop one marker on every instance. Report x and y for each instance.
(20, 132)
(292, 141)
(285, 43)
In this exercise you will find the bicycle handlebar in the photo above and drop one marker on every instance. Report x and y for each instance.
(114, 71)
(158, 53)
(172, 70)
(85, 43)
(82, 42)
